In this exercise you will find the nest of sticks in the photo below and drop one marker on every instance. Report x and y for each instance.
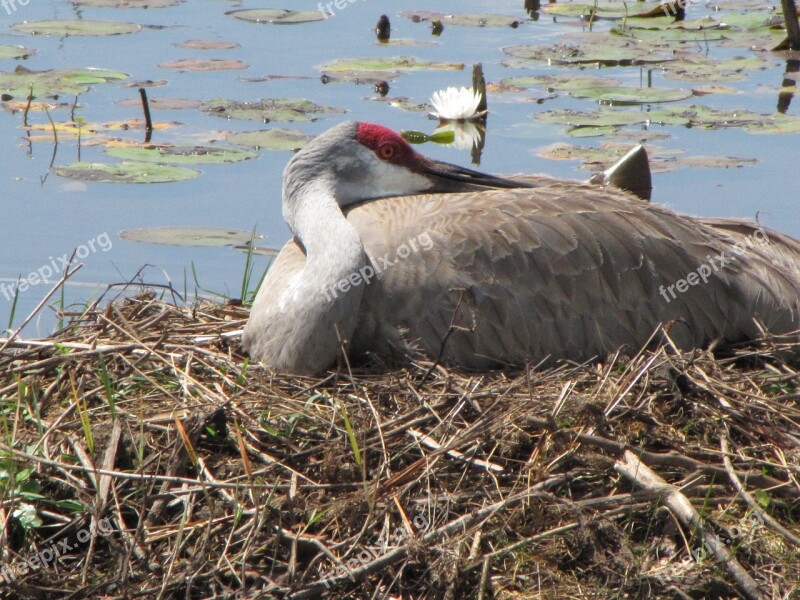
(142, 457)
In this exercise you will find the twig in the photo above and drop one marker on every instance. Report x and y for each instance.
(638, 473)
(148, 121)
(66, 275)
(737, 483)
(458, 526)
(792, 41)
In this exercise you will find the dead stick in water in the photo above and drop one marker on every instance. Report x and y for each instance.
(792, 41)
(148, 122)
(479, 85)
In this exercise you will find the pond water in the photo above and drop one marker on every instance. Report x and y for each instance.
(45, 215)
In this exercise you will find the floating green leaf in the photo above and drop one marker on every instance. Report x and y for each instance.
(360, 77)
(203, 64)
(564, 83)
(773, 124)
(268, 110)
(464, 19)
(664, 24)
(270, 139)
(404, 103)
(387, 63)
(696, 67)
(604, 50)
(607, 117)
(695, 115)
(406, 42)
(180, 155)
(126, 172)
(7, 51)
(714, 88)
(207, 45)
(159, 103)
(661, 161)
(712, 118)
(277, 16)
(59, 81)
(617, 95)
(439, 137)
(597, 10)
(669, 36)
(76, 27)
(585, 132)
(189, 236)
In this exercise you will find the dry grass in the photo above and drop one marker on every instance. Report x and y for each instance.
(170, 469)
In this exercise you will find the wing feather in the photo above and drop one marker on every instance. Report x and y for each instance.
(564, 271)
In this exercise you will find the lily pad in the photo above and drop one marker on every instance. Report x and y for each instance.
(127, 3)
(189, 236)
(58, 81)
(207, 45)
(661, 161)
(406, 42)
(586, 132)
(404, 103)
(774, 124)
(126, 172)
(387, 63)
(76, 27)
(606, 51)
(711, 118)
(270, 139)
(714, 88)
(669, 23)
(670, 36)
(594, 158)
(696, 67)
(607, 117)
(70, 129)
(464, 19)
(360, 77)
(277, 16)
(204, 64)
(180, 155)
(599, 10)
(564, 83)
(268, 110)
(162, 103)
(618, 95)
(7, 51)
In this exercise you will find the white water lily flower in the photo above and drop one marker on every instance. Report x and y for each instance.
(456, 104)
(466, 134)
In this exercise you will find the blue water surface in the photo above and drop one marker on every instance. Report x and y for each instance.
(44, 216)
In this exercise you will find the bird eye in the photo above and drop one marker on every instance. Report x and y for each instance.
(387, 151)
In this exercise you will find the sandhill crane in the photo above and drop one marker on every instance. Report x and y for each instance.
(395, 251)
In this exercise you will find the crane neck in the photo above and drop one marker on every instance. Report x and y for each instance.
(324, 293)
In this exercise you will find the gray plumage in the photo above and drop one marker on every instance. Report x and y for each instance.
(562, 270)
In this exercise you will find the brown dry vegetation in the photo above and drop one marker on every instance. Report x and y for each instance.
(171, 469)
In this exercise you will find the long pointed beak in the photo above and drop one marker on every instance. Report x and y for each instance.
(447, 177)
